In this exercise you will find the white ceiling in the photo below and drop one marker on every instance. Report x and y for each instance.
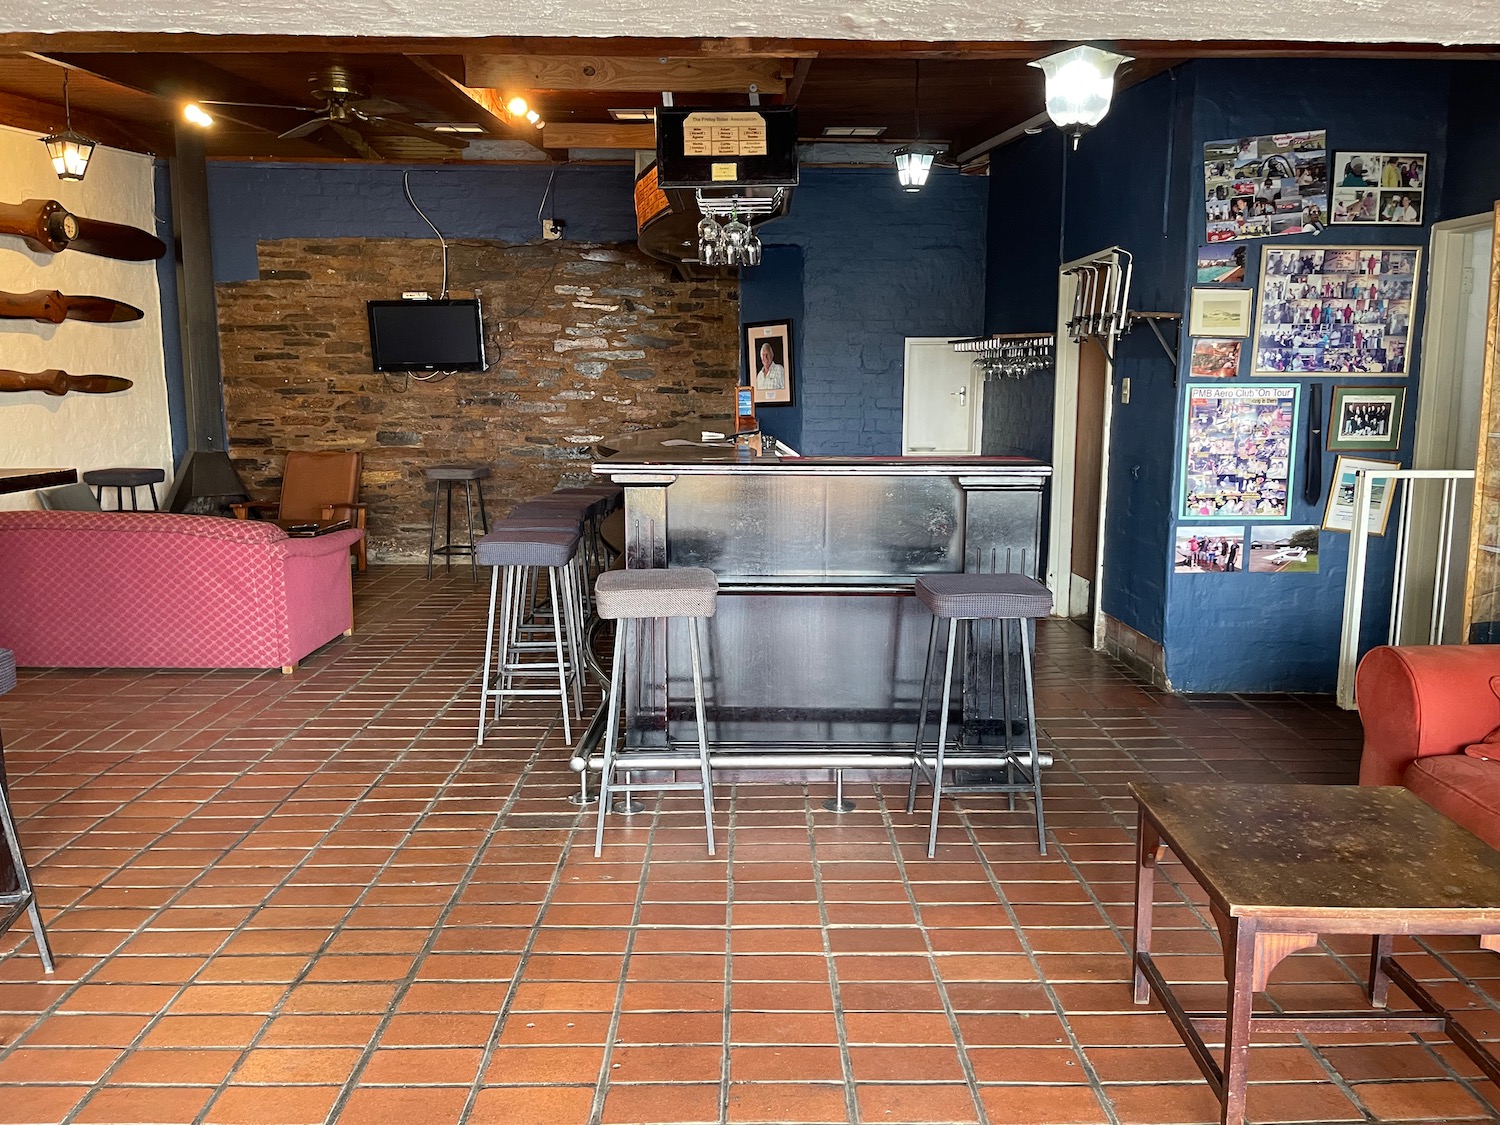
(1370, 21)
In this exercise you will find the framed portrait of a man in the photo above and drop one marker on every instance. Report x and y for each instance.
(768, 359)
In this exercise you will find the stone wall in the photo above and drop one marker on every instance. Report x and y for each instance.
(584, 341)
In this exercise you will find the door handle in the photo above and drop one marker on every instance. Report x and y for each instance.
(962, 394)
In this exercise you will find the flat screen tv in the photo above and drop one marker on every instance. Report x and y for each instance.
(426, 336)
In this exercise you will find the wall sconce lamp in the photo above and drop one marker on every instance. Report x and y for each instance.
(1080, 83)
(69, 151)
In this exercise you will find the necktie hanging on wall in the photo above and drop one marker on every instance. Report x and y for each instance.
(1312, 477)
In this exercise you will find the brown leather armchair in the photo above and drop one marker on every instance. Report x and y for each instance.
(317, 486)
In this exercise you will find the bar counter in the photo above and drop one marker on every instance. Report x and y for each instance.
(814, 657)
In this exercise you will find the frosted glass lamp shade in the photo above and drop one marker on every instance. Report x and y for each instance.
(1080, 84)
(912, 168)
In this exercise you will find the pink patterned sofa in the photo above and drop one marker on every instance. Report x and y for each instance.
(148, 590)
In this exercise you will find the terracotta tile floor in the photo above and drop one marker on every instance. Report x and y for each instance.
(311, 898)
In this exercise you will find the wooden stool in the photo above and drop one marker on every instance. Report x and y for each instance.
(632, 596)
(443, 478)
(966, 598)
(121, 479)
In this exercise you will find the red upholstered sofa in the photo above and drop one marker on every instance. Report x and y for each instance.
(1421, 707)
(149, 590)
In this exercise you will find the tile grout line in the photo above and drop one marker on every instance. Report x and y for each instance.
(846, 1062)
(970, 1079)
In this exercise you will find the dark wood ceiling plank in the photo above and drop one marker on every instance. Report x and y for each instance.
(483, 106)
(525, 73)
(41, 117)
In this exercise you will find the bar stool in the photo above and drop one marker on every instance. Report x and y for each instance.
(967, 598)
(630, 597)
(23, 898)
(121, 479)
(520, 553)
(443, 478)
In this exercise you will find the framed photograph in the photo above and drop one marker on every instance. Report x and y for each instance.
(1258, 187)
(1208, 550)
(1237, 455)
(1215, 359)
(1220, 263)
(1339, 514)
(1365, 418)
(768, 358)
(1278, 549)
(1328, 310)
(1220, 312)
(1379, 187)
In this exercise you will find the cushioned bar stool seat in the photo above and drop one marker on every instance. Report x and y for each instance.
(23, 898)
(121, 479)
(517, 555)
(443, 479)
(1006, 600)
(630, 597)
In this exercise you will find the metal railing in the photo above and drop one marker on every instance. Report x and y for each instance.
(1359, 544)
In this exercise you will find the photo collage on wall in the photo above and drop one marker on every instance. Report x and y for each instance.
(1379, 187)
(1238, 458)
(1335, 309)
(1260, 187)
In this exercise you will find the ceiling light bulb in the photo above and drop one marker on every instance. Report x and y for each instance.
(1080, 84)
(517, 107)
(533, 116)
(194, 114)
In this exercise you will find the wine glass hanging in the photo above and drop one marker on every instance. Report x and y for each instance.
(1011, 357)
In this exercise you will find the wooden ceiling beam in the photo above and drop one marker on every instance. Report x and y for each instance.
(483, 105)
(182, 78)
(600, 73)
(42, 117)
(758, 47)
(624, 136)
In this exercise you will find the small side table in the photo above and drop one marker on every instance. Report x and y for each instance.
(121, 479)
(1285, 864)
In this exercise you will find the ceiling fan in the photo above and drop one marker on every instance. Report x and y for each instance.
(343, 93)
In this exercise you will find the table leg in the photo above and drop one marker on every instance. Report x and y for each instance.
(1241, 962)
(1148, 849)
(1380, 983)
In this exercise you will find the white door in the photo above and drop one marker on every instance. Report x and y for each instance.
(941, 403)
(1448, 413)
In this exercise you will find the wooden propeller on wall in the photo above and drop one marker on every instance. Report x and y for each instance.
(45, 224)
(52, 307)
(56, 382)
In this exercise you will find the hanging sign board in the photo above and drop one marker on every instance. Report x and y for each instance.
(723, 147)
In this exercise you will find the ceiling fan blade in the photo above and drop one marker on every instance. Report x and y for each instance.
(405, 129)
(352, 138)
(307, 128)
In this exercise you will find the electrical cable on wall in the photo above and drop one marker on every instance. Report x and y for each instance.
(406, 187)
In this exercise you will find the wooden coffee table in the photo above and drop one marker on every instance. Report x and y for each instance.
(1286, 864)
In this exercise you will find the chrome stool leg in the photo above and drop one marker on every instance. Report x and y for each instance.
(937, 767)
(24, 894)
(698, 713)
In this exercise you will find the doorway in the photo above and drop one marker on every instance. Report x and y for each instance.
(1448, 414)
(942, 399)
(1080, 443)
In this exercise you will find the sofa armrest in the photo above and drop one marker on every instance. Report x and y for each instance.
(1420, 700)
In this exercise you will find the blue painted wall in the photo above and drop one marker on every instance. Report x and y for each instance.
(878, 265)
(773, 291)
(250, 202)
(1269, 632)
(1020, 285)
(1473, 173)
